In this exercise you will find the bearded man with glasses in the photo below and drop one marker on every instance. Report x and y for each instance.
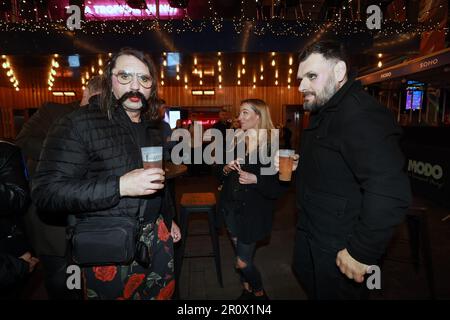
(91, 166)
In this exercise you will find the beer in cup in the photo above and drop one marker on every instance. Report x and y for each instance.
(286, 162)
(152, 157)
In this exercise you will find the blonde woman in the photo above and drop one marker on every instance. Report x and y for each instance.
(247, 200)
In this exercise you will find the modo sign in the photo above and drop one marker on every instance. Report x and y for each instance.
(114, 10)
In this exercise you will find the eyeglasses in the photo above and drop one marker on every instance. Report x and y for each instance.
(126, 77)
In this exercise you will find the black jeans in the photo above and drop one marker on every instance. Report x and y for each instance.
(55, 278)
(319, 275)
(250, 273)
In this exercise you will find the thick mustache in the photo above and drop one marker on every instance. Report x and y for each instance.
(132, 94)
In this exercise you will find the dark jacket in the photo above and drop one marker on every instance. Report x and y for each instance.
(14, 199)
(254, 204)
(81, 163)
(35, 130)
(351, 187)
(47, 232)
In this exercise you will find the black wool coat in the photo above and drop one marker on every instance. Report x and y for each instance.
(351, 187)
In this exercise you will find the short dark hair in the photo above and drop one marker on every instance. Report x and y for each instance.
(329, 49)
(95, 84)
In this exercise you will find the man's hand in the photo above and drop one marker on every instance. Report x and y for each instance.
(175, 232)
(32, 261)
(350, 267)
(247, 178)
(141, 182)
(295, 158)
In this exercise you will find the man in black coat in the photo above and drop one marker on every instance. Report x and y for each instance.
(351, 187)
(47, 232)
(91, 166)
(16, 260)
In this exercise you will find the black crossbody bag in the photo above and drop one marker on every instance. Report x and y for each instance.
(107, 240)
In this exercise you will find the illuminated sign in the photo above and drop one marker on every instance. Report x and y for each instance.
(101, 10)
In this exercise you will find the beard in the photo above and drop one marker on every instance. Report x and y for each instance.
(321, 97)
(130, 94)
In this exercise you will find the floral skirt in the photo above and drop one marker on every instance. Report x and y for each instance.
(134, 282)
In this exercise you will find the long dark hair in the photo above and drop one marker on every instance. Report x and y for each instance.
(107, 100)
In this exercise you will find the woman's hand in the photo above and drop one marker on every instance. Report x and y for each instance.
(232, 166)
(175, 232)
(247, 178)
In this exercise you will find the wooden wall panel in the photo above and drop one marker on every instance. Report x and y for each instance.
(32, 97)
(229, 97)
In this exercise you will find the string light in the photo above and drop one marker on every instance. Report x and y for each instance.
(280, 27)
(52, 72)
(10, 73)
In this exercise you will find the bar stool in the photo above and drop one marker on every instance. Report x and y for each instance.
(419, 243)
(199, 203)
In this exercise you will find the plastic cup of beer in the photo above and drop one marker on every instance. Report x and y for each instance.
(152, 157)
(286, 162)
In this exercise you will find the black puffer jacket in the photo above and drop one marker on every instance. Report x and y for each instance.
(14, 199)
(82, 160)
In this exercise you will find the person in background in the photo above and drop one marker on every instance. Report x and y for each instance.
(47, 231)
(166, 131)
(247, 198)
(16, 257)
(287, 134)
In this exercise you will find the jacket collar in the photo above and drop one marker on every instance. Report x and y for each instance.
(333, 104)
(335, 100)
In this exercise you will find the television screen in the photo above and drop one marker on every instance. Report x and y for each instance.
(414, 99)
(174, 115)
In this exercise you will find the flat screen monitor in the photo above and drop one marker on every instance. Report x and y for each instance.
(174, 115)
(414, 99)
